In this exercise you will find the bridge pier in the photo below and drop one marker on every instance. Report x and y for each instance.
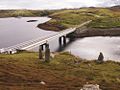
(42, 47)
(62, 40)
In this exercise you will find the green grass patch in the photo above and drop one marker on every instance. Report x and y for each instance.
(102, 18)
(107, 22)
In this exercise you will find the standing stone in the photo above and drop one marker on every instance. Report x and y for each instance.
(101, 57)
(47, 53)
(40, 52)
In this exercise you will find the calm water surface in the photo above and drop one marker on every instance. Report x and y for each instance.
(17, 30)
(89, 48)
(14, 31)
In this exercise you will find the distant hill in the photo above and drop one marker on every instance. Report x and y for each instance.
(116, 8)
(25, 13)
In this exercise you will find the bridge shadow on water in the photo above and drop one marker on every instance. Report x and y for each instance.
(62, 47)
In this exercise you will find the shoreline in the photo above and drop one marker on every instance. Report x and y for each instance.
(87, 32)
(90, 32)
(51, 26)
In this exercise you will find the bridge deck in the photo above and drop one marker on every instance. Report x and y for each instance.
(39, 41)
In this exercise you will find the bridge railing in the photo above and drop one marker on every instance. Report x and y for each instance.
(36, 42)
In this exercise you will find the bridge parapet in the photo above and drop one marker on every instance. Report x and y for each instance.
(28, 45)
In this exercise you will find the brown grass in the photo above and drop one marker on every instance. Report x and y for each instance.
(25, 71)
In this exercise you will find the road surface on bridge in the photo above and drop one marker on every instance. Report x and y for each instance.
(28, 45)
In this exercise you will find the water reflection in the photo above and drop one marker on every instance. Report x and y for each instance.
(17, 30)
(90, 47)
(62, 46)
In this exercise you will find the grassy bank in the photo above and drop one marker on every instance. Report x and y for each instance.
(25, 71)
(105, 23)
(102, 18)
(66, 18)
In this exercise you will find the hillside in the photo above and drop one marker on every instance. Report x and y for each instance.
(102, 18)
(25, 13)
(24, 71)
(116, 8)
(62, 19)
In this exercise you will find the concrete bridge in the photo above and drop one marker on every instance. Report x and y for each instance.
(28, 45)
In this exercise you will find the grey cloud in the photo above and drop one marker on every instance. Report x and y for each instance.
(54, 4)
(110, 3)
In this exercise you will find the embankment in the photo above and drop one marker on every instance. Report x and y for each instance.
(51, 26)
(89, 32)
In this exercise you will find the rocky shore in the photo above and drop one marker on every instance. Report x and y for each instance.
(88, 32)
(84, 31)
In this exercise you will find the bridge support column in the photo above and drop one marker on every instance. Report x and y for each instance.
(40, 52)
(47, 53)
(42, 47)
(60, 41)
(64, 40)
(71, 38)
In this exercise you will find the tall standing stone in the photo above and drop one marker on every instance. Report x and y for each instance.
(47, 53)
(101, 57)
(40, 52)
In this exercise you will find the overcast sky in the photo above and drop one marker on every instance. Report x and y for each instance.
(54, 4)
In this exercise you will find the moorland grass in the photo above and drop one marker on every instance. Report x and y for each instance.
(64, 71)
(102, 18)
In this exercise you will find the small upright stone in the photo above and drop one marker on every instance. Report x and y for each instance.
(101, 57)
